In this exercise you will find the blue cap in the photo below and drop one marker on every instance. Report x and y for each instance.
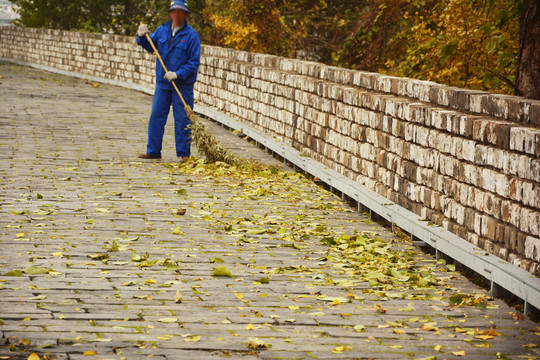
(179, 5)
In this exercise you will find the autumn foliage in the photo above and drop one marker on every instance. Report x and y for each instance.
(464, 43)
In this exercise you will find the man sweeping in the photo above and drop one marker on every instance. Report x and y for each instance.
(180, 48)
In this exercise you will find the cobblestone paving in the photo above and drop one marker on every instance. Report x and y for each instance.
(99, 261)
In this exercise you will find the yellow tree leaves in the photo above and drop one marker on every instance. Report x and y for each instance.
(252, 25)
(470, 44)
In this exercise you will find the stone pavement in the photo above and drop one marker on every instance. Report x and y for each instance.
(103, 256)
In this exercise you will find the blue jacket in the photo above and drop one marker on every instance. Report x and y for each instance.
(182, 55)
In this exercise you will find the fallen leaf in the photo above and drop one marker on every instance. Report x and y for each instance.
(178, 231)
(429, 326)
(340, 349)
(255, 343)
(88, 353)
(14, 273)
(35, 270)
(334, 299)
(34, 356)
(359, 328)
(222, 271)
(168, 320)
(192, 338)
(178, 297)
(484, 337)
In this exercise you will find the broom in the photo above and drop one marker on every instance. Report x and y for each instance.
(206, 143)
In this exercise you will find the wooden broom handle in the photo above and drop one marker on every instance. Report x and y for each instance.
(164, 67)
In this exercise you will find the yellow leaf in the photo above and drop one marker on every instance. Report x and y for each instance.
(359, 328)
(429, 326)
(340, 349)
(178, 298)
(491, 332)
(87, 353)
(59, 253)
(193, 339)
(222, 271)
(34, 356)
(255, 343)
(177, 231)
(437, 348)
(399, 331)
(484, 337)
(151, 281)
(168, 320)
(294, 308)
(396, 346)
(483, 345)
(459, 353)
(250, 327)
(61, 317)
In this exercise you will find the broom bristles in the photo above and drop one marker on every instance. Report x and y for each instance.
(208, 145)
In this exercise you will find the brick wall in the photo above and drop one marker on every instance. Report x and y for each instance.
(467, 160)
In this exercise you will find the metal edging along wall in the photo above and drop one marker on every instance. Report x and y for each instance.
(498, 271)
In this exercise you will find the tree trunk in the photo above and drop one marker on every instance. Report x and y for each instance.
(528, 66)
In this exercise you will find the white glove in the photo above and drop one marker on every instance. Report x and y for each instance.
(170, 76)
(143, 29)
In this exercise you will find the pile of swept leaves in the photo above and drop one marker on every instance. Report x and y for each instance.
(388, 266)
(208, 145)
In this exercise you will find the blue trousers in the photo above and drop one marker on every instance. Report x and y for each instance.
(163, 99)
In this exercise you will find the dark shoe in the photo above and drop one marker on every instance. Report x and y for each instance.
(184, 159)
(148, 156)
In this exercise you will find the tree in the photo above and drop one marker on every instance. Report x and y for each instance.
(465, 43)
(251, 25)
(65, 14)
(108, 16)
(528, 63)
